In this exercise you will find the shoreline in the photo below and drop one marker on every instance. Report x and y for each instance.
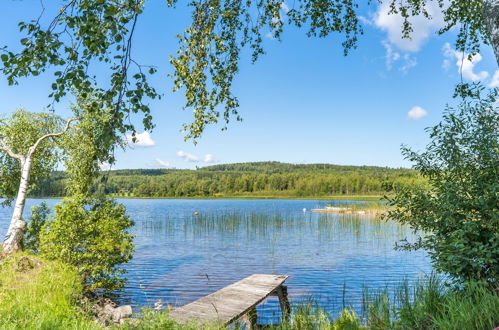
(321, 198)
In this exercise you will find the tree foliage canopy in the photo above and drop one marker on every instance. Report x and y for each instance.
(89, 33)
(90, 144)
(458, 211)
(92, 235)
(19, 132)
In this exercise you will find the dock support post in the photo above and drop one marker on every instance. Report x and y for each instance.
(282, 293)
(250, 319)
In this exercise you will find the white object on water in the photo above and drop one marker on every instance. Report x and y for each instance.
(304, 210)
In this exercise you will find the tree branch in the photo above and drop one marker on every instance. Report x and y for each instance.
(51, 135)
(10, 152)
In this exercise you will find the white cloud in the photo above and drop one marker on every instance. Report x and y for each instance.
(391, 55)
(162, 163)
(494, 82)
(284, 7)
(209, 158)
(269, 35)
(422, 27)
(365, 20)
(464, 65)
(187, 156)
(409, 62)
(446, 64)
(416, 113)
(142, 140)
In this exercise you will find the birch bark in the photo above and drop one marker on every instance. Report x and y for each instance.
(491, 17)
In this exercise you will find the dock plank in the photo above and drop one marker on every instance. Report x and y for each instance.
(231, 302)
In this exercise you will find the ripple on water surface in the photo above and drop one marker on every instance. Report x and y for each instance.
(330, 258)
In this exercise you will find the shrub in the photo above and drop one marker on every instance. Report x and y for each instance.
(458, 210)
(39, 217)
(90, 234)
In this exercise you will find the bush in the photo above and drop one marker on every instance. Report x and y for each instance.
(39, 217)
(90, 234)
(458, 211)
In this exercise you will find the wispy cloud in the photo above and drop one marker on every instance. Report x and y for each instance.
(209, 158)
(141, 140)
(409, 62)
(494, 82)
(284, 7)
(416, 113)
(464, 65)
(162, 163)
(187, 156)
(406, 61)
(391, 55)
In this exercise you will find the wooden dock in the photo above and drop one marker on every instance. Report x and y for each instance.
(238, 300)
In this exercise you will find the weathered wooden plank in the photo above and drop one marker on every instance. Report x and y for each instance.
(230, 303)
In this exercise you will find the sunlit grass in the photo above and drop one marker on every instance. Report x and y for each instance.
(40, 294)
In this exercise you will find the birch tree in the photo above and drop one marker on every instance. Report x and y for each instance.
(28, 153)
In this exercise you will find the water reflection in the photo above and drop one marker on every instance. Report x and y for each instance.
(181, 257)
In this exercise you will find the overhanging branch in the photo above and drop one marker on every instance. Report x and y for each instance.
(10, 152)
(51, 135)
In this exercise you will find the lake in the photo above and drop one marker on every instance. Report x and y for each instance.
(330, 258)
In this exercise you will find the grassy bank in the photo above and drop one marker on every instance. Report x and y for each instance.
(40, 294)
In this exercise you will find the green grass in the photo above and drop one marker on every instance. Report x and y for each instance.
(427, 304)
(39, 294)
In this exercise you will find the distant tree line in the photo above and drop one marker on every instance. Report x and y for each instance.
(257, 179)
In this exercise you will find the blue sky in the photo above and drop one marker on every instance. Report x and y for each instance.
(302, 102)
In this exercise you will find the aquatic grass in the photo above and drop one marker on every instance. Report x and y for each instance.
(39, 294)
(430, 303)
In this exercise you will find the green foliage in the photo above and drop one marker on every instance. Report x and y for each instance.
(40, 294)
(430, 304)
(458, 211)
(263, 179)
(209, 53)
(425, 304)
(90, 143)
(19, 132)
(39, 216)
(100, 33)
(86, 34)
(91, 235)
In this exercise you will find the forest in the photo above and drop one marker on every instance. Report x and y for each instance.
(252, 179)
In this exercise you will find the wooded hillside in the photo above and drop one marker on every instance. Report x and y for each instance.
(269, 179)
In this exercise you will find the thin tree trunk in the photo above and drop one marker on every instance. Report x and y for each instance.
(491, 17)
(15, 233)
(13, 239)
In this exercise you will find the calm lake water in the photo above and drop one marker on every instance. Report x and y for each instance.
(330, 258)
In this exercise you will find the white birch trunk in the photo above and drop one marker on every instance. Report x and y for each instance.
(13, 239)
(491, 17)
